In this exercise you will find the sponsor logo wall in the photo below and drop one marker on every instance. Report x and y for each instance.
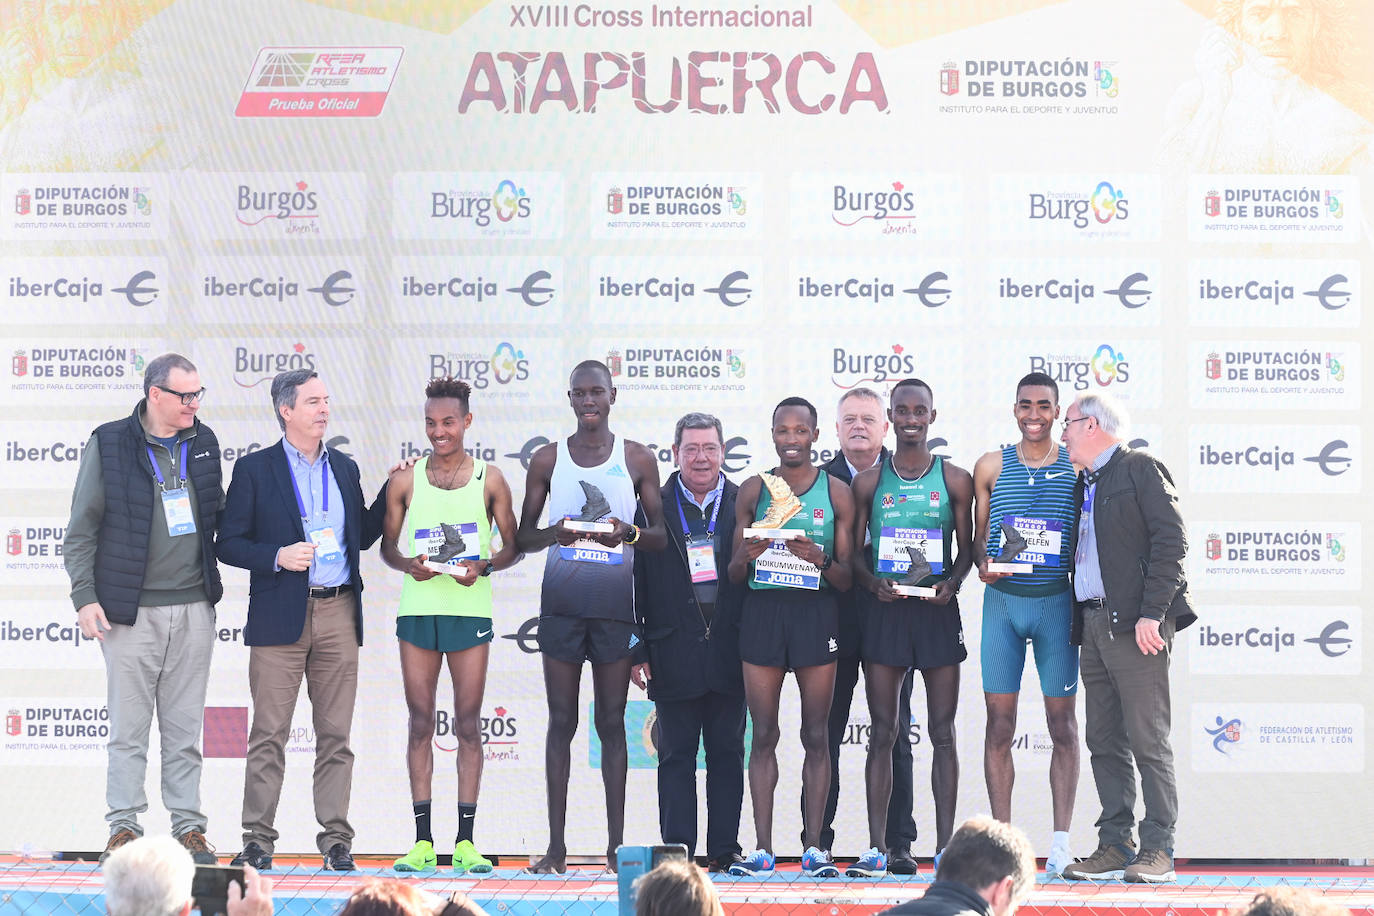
(848, 197)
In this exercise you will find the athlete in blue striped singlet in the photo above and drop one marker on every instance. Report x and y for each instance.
(1029, 486)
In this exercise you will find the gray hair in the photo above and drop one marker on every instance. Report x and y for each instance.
(983, 851)
(284, 387)
(160, 369)
(697, 420)
(1106, 410)
(860, 392)
(149, 877)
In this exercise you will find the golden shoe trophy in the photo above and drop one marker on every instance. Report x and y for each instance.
(784, 505)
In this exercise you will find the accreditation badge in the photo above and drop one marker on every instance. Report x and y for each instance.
(326, 544)
(176, 506)
(701, 560)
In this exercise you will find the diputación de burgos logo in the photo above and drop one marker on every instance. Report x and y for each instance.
(1259, 208)
(1242, 374)
(73, 372)
(676, 370)
(1080, 86)
(84, 205)
(1310, 555)
(55, 730)
(319, 82)
(674, 205)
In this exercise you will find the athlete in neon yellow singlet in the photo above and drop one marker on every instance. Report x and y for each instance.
(438, 532)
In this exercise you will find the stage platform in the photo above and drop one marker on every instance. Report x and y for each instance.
(36, 888)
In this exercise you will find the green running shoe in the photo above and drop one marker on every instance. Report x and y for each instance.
(420, 860)
(467, 860)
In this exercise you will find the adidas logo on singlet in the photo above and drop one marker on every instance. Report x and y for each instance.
(616, 471)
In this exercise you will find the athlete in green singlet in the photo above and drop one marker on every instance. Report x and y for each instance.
(917, 498)
(441, 511)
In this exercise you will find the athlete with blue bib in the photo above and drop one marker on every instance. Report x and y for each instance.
(791, 622)
(1028, 487)
(915, 501)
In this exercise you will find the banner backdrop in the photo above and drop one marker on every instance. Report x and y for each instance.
(729, 203)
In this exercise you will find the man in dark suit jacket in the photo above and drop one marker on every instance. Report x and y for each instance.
(689, 658)
(294, 517)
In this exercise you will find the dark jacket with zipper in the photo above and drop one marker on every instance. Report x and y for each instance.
(946, 898)
(1141, 543)
(687, 656)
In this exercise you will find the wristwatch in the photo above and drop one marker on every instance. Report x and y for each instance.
(633, 536)
(486, 571)
(826, 561)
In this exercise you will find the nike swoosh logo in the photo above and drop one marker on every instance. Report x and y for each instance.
(484, 633)
(1052, 476)
(1071, 685)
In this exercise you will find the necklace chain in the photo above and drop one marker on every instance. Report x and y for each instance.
(429, 470)
(1030, 471)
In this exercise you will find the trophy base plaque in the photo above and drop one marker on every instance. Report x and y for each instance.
(1011, 568)
(914, 591)
(573, 524)
(457, 572)
(774, 534)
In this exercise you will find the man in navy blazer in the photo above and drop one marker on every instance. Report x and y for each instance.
(294, 518)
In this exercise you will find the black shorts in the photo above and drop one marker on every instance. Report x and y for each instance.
(910, 632)
(789, 628)
(591, 639)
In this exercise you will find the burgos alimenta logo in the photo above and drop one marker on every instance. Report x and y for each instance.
(319, 82)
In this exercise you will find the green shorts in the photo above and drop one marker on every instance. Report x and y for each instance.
(444, 632)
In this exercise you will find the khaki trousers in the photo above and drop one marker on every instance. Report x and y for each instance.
(326, 655)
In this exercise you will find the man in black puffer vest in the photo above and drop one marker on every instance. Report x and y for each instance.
(140, 553)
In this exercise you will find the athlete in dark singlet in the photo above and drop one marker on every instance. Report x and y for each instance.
(587, 600)
(920, 500)
(791, 620)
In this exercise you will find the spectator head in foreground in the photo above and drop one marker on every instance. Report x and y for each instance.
(994, 859)
(389, 897)
(676, 887)
(1289, 901)
(150, 876)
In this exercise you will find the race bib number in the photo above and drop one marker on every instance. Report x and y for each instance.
(585, 550)
(893, 542)
(442, 540)
(1043, 536)
(778, 566)
(326, 544)
(176, 506)
(701, 561)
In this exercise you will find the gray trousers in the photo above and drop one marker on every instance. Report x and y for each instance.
(326, 655)
(159, 665)
(1126, 699)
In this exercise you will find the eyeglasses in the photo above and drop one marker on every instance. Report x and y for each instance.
(1074, 420)
(187, 397)
(691, 452)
